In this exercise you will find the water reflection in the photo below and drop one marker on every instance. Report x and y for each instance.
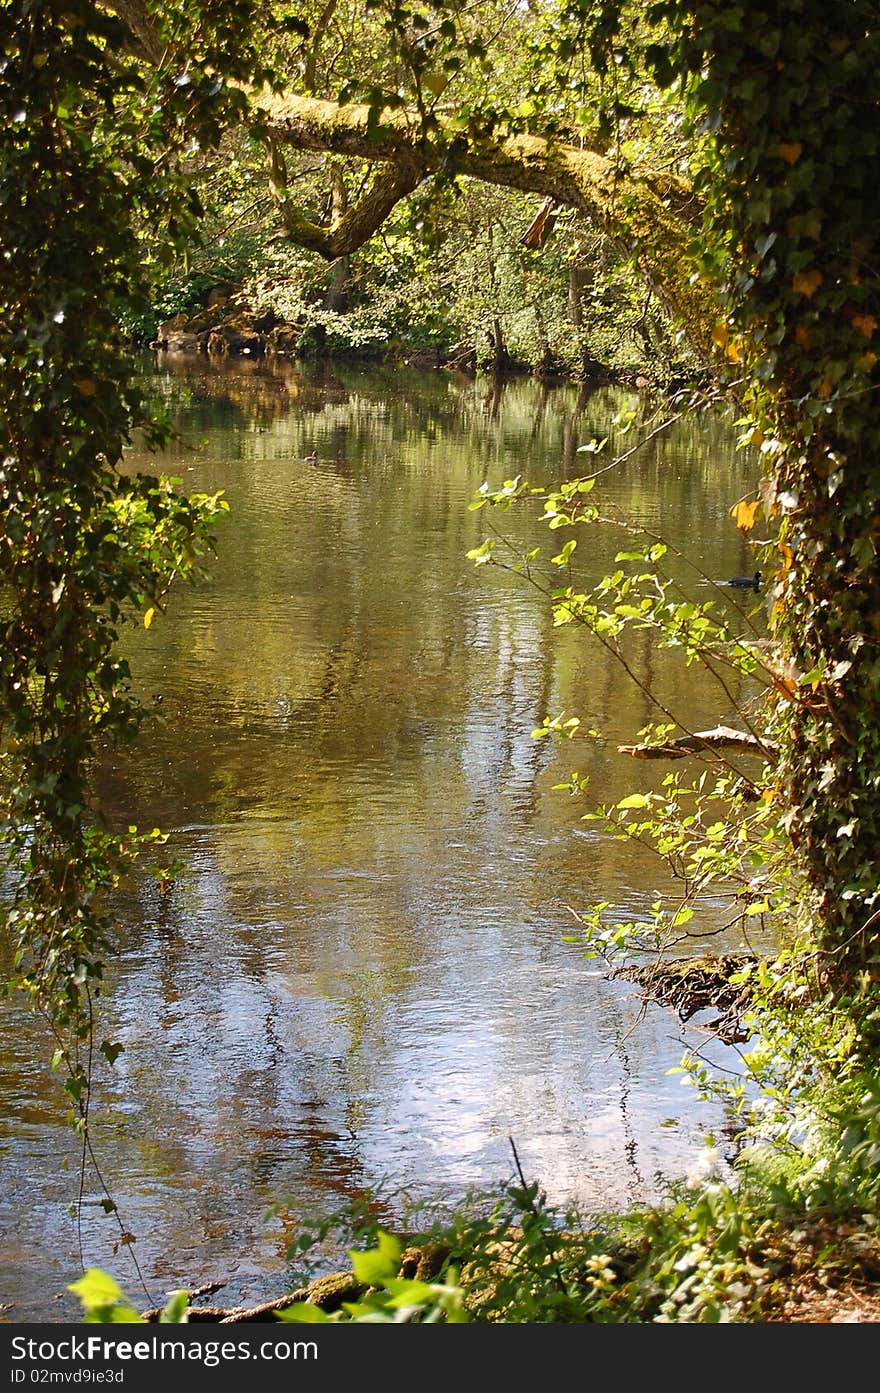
(360, 982)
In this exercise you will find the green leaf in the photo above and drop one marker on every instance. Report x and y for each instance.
(175, 1308)
(305, 1313)
(96, 1288)
(410, 1292)
(564, 556)
(635, 800)
(483, 553)
(378, 1263)
(113, 1315)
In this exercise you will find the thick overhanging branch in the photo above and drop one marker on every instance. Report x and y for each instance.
(646, 214)
(358, 223)
(627, 207)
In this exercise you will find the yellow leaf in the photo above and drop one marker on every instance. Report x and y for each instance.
(733, 353)
(787, 555)
(720, 334)
(790, 150)
(865, 323)
(744, 515)
(148, 618)
(87, 386)
(785, 687)
(807, 282)
(823, 391)
(866, 361)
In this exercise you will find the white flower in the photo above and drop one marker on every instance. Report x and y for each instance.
(706, 1164)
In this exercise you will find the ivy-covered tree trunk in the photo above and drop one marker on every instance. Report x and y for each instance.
(65, 415)
(791, 94)
(83, 545)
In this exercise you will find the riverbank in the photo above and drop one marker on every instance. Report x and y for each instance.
(818, 1272)
(227, 325)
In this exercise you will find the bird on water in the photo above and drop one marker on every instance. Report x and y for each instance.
(743, 582)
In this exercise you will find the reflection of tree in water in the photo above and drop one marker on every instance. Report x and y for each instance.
(261, 392)
(630, 1137)
(283, 1123)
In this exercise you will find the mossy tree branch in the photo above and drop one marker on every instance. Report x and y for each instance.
(359, 222)
(626, 206)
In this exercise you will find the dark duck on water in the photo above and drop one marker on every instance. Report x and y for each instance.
(743, 582)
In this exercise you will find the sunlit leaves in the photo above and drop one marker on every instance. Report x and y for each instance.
(564, 556)
(100, 1295)
(565, 727)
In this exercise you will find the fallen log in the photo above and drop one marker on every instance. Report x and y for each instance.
(720, 738)
(423, 1262)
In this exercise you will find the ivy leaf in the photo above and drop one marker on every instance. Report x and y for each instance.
(807, 282)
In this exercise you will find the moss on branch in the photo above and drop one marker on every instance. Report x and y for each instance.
(648, 224)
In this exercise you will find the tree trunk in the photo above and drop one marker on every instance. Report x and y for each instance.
(799, 218)
(336, 297)
(578, 279)
(500, 361)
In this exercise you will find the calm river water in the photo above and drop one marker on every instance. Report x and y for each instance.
(360, 984)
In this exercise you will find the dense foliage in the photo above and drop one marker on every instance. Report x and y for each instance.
(454, 267)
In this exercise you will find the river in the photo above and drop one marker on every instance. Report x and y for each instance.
(359, 988)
